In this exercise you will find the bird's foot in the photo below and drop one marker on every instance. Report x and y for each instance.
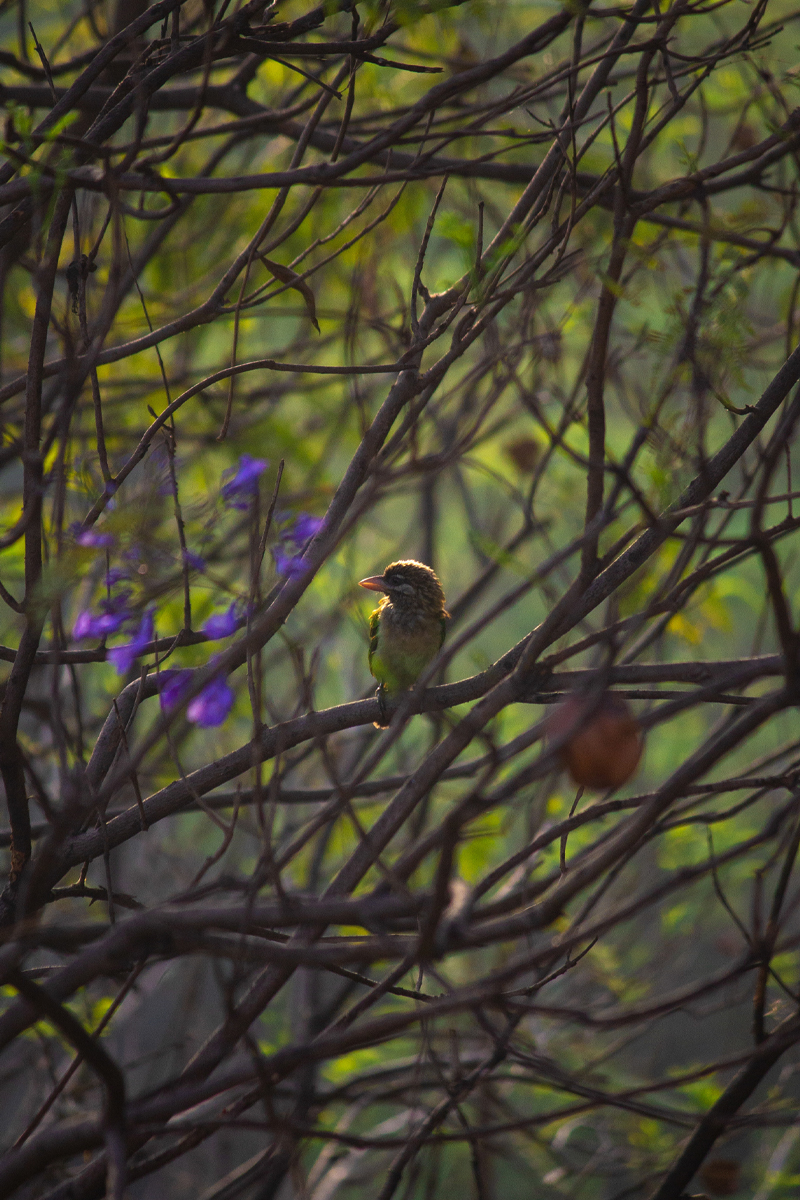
(380, 696)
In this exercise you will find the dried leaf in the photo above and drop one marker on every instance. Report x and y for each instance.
(292, 279)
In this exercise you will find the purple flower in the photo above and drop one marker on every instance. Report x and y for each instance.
(93, 538)
(103, 624)
(115, 576)
(83, 626)
(123, 656)
(212, 705)
(172, 686)
(112, 616)
(288, 565)
(111, 622)
(118, 603)
(222, 625)
(243, 482)
(194, 560)
(304, 528)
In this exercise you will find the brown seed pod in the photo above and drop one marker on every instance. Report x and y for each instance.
(524, 453)
(602, 739)
(744, 137)
(721, 1176)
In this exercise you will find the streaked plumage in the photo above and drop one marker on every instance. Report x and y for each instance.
(407, 628)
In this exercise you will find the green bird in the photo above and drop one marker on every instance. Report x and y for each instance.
(407, 628)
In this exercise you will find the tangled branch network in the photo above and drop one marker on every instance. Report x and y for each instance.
(289, 294)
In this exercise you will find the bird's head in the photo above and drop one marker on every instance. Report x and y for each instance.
(409, 585)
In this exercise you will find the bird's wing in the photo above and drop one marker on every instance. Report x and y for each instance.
(373, 634)
(444, 631)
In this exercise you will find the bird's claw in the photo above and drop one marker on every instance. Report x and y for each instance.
(380, 696)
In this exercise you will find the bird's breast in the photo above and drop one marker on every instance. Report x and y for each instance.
(404, 649)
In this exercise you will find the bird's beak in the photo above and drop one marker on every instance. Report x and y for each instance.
(375, 583)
